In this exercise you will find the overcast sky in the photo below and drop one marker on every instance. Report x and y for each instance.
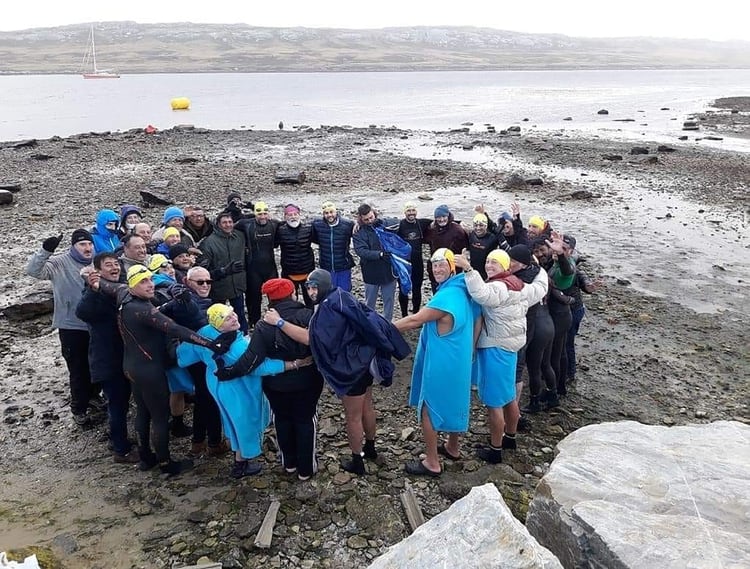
(717, 19)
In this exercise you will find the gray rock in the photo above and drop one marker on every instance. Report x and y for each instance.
(629, 495)
(476, 531)
(65, 543)
(6, 197)
(30, 306)
(377, 516)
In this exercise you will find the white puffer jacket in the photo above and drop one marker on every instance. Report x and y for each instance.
(504, 311)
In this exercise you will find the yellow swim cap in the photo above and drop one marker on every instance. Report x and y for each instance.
(444, 254)
(157, 262)
(327, 206)
(171, 231)
(409, 205)
(536, 221)
(480, 218)
(217, 313)
(137, 273)
(501, 257)
(261, 207)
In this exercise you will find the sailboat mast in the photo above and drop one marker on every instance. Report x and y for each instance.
(93, 48)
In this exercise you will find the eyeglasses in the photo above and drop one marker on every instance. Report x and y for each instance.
(165, 264)
(262, 210)
(202, 282)
(311, 284)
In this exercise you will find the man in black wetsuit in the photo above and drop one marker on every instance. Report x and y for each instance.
(412, 230)
(145, 331)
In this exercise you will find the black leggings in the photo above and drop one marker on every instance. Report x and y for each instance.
(253, 296)
(562, 319)
(151, 395)
(206, 416)
(538, 353)
(295, 416)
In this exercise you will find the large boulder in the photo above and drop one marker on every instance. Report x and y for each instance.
(627, 495)
(476, 531)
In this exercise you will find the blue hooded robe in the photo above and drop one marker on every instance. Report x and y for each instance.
(244, 409)
(441, 377)
(105, 240)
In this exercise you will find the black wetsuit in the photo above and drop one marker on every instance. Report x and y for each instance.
(261, 261)
(145, 332)
(413, 234)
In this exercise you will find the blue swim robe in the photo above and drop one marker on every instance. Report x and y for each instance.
(244, 409)
(441, 377)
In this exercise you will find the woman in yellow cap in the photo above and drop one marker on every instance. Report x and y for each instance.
(504, 300)
(243, 407)
(145, 333)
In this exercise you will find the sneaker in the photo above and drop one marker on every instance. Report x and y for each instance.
(180, 430)
(131, 457)
(81, 419)
(242, 468)
(355, 465)
(491, 454)
(369, 451)
(175, 467)
(218, 450)
(509, 442)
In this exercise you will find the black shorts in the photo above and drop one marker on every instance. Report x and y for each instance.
(361, 385)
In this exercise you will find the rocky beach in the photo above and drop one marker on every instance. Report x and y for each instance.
(664, 342)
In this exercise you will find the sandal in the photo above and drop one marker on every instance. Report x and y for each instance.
(417, 468)
(444, 452)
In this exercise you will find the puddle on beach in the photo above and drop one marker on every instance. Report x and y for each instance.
(656, 241)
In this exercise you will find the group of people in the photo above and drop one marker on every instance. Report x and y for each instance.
(176, 314)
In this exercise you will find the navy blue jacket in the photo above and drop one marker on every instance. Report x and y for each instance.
(375, 270)
(99, 312)
(334, 243)
(345, 336)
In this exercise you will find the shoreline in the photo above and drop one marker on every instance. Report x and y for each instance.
(651, 358)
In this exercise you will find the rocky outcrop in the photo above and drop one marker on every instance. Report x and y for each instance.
(476, 531)
(628, 495)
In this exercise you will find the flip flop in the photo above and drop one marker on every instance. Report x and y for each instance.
(444, 452)
(417, 468)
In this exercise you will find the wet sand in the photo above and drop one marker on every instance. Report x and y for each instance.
(665, 341)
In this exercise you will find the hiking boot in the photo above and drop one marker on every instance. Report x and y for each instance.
(175, 467)
(179, 429)
(197, 449)
(355, 465)
(218, 450)
(147, 460)
(491, 454)
(131, 457)
(509, 442)
(81, 419)
(534, 406)
(551, 400)
(368, 451)
(98, 403)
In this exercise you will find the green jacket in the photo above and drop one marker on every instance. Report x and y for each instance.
(220, 249)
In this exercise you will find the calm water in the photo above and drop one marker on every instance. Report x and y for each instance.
(44, 106)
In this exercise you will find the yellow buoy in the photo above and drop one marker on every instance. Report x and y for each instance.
(180, 103)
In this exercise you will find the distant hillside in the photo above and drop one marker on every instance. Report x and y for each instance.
(130, 47)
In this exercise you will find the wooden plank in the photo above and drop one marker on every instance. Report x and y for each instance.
(265, 533)
(411, 506)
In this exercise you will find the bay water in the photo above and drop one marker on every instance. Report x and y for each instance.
(41, 106)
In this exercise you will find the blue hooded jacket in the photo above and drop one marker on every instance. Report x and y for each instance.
(105, 239)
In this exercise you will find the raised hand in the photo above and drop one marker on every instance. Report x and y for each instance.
(52, 243)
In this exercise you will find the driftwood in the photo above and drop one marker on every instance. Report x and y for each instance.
(6, 197)
(11, 187)
(411, 507)
(265, 533)
(289, 178)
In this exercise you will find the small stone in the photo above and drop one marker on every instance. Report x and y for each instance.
(667, 421)
(547, 450)
(178, 547)
(356, 542)
(701, 414)
(406, 433)
(341, 478)
(683, 411)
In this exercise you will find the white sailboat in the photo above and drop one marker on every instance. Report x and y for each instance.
(89, 62)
